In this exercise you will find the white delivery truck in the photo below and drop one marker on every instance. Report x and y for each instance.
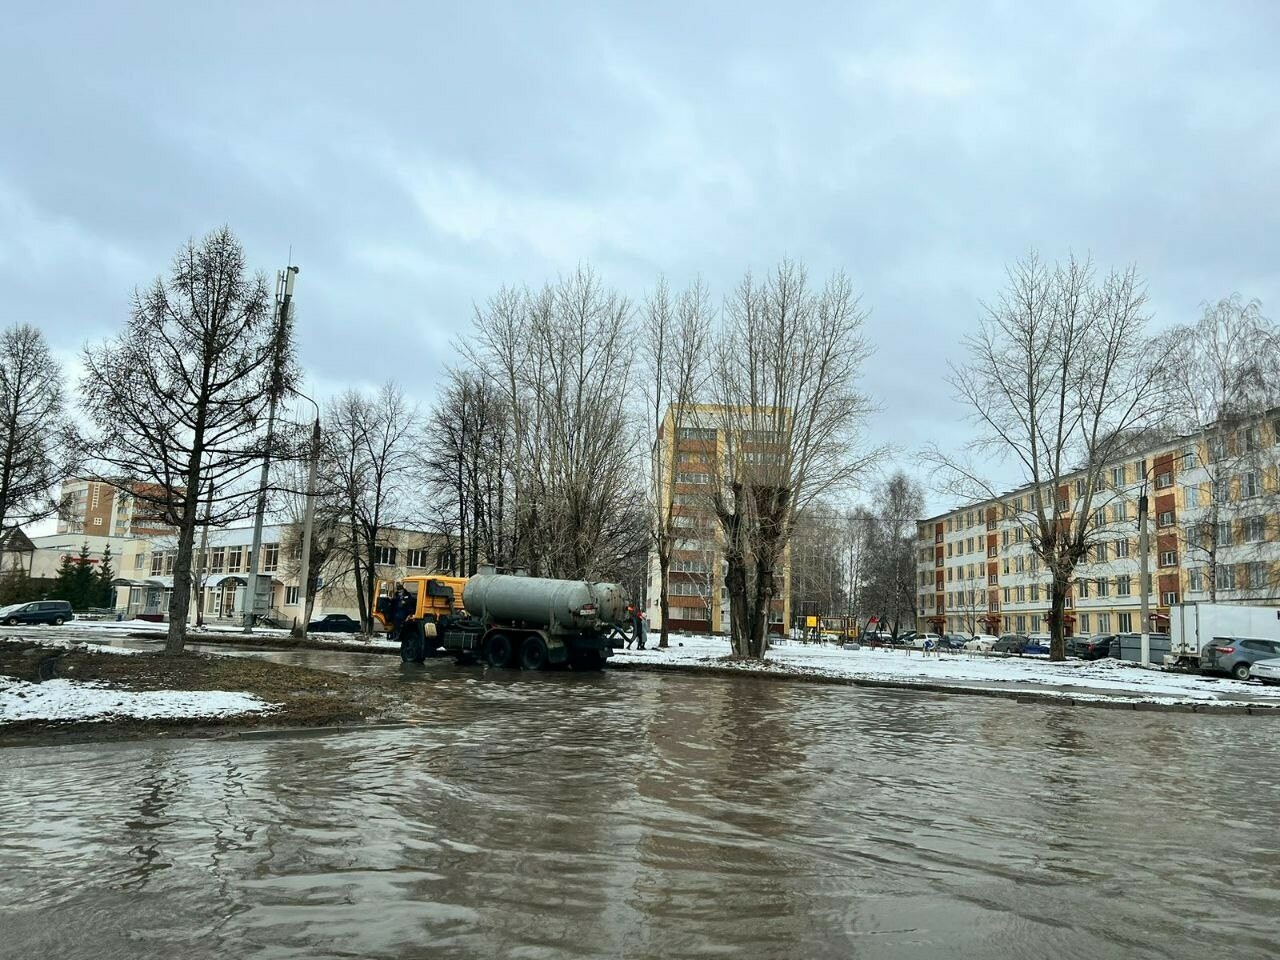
(1194, 624)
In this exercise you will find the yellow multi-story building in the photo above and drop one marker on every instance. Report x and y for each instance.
(688, 461)
(1214, 534)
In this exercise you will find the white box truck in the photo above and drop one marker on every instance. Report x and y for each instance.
(1194, 624)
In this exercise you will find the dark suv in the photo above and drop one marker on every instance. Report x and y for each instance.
(1234, 655)
(1010, 643)
(56, 612)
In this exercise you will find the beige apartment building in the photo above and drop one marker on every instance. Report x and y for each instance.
(697, 597)
(97, 508)
(1214, 534)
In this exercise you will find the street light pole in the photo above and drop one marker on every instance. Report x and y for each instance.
(284, 294)
(308, 517)
(1144, 549)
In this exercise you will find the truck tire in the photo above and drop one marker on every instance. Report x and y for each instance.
(412, 644)
(498, 650)
(533, 653)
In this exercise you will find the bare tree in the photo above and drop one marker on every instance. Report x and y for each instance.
(1061, 374)
(38, 445)
(675, 338)
(1222, 375)
(856, 556)
(890, 571)
(788, 414)
(817, 573)
(374, 461)
(561, 360)
(179, 397)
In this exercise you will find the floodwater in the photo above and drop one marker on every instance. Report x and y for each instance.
(639, 815)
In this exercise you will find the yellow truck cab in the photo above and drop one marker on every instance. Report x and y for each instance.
(433, 597)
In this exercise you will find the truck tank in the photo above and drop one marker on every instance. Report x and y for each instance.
(552, 605)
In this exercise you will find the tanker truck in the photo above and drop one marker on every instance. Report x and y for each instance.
(504, 620)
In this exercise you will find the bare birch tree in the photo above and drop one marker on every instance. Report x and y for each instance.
(1222, 375)
(179, 397)
(1061, 374)
(789, 416)
(675, 337)
(38, 446)
(562, 361)
(890, 571)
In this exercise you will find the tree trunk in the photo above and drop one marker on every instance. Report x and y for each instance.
(180, 600)
(664, 604)
(1057, 625)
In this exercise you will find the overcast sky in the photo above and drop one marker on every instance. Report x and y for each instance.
(416, 159)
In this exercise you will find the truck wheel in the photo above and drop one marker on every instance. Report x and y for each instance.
(533, 653)
(497, 650)
(1240, 671)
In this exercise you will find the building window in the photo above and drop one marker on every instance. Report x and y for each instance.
(235, 559)
(1006, 594)
(1188, 458)
(991, 550)
(1257, 575)
(1079, 488)
(1226, 577)
(1255, 529)
(1104, 587)
(1082, 588)
(1035, 593)
(1224, 533)
(1084, 624)
(1191, 495)
(949, 546)
(139, 561)
(1022, 622)
(1117, 476)
(1017, 535)
(415, 558)
(1104, 623)
(1120, 512)
(1249, 486)
(1196, 580)
(1022, 594)
(97, 521)
(157, 563)
(290, 596)
(1122, 549)
(1100, 552)
(1252, 439)
(1169, 558)
(1019, 564)
(386, 555)
(1122, 586)
(1165, 519)
(271, 558)
(1164, 480)
(1062, 505)
(1217, 449)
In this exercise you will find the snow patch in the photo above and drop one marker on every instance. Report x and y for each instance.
(71, 700)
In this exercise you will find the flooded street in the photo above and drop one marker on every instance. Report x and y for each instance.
(638, 815)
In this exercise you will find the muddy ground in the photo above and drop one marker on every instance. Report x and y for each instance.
(307, 697)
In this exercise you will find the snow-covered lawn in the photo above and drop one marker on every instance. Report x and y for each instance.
(71, 700)
(1073, 678)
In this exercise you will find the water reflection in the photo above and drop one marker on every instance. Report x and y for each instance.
(630, 815)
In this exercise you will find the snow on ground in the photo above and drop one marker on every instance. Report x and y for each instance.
(71, 700)
(1073, 678)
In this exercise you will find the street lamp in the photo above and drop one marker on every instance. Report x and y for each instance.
(308, 515)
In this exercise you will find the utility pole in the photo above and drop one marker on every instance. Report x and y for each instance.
(308, 518)
(284, 294)
(1144, 548)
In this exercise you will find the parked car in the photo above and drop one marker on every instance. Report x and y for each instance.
(981, 643)
(1009, 643)
(1268, 671)
(934, 640)
(1095, 647)
(1236, 655)
(1037, 643)
(55, 612)
(954, 641)
(334, 623)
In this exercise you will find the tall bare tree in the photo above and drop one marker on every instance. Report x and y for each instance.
(675, 338)
(890, 586)
(786, 406)
(38, 445)
(561, 359)
(1222, 375)
(179, 397)
(1061, 375)
(373, 456)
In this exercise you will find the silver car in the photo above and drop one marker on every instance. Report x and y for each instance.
(1268, 671)
(1237, 655)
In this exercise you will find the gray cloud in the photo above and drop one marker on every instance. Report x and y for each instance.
(418, 159)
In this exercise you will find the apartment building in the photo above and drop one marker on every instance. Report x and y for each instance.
(688, 463)
(1213, 529)
(144, 584)
(95, 507)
